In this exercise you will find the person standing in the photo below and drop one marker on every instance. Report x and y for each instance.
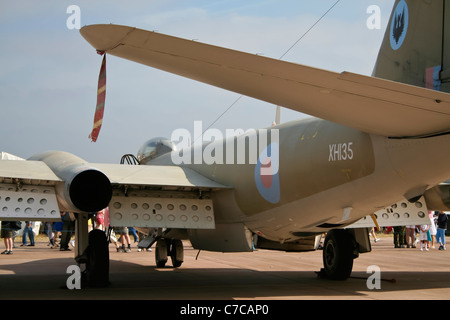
(124, 238)
(57, 227)
(441, 227)
(433, 229)
(399, 236)
(7, 235)
(28, 231)
(134, 234)
(410, 236)
(49, 231)
(68, 230)
(100, 220)
(423, 236)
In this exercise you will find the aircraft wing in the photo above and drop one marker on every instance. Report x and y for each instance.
(36, 171)
(369, 104)
(147, 196)
(163, 177)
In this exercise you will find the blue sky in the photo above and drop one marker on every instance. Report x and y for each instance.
(48, 73)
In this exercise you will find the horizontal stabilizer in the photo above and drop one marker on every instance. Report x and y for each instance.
(369, 104)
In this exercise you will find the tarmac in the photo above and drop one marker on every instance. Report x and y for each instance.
(40, 273)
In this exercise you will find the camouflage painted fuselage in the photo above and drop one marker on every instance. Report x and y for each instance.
(326, 176)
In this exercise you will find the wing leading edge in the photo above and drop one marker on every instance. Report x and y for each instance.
(369, 104)
(157, 176)
(38, 189)
(39, 173)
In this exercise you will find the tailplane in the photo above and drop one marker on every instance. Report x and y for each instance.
(416, 46)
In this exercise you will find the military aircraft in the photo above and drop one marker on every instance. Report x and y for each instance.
(373, 145)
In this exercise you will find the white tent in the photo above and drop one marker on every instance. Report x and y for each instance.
(8, 156)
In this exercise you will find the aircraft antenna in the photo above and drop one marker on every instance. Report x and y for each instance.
(307, 31)
(282, 56)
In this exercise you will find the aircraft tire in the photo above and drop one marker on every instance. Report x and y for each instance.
(161, 253)
(97, 265)
(177, 253)
(338, 255)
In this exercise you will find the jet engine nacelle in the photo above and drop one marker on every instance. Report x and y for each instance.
(83, 188)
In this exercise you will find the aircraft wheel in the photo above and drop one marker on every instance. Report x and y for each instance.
(97, 263)
(177, 253)
(161, 253)
(338, 255)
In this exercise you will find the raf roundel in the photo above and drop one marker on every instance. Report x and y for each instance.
(399, 25)
(266, 174)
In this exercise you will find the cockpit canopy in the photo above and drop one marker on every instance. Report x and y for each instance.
(154, 148)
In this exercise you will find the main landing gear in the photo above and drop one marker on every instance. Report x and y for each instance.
(341, 247)
(169, 247)
(92, 253)
(166, 246)
(96, 259)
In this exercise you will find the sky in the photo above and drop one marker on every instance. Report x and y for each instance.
(49, 73)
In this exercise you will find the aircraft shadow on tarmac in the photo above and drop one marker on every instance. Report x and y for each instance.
(46, 279)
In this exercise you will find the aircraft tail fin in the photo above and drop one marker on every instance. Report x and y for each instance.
(416, 46)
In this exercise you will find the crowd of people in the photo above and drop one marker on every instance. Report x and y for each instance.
(60, 234)
(425, 236)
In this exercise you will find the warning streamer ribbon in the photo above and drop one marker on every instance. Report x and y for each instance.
(101, 97)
